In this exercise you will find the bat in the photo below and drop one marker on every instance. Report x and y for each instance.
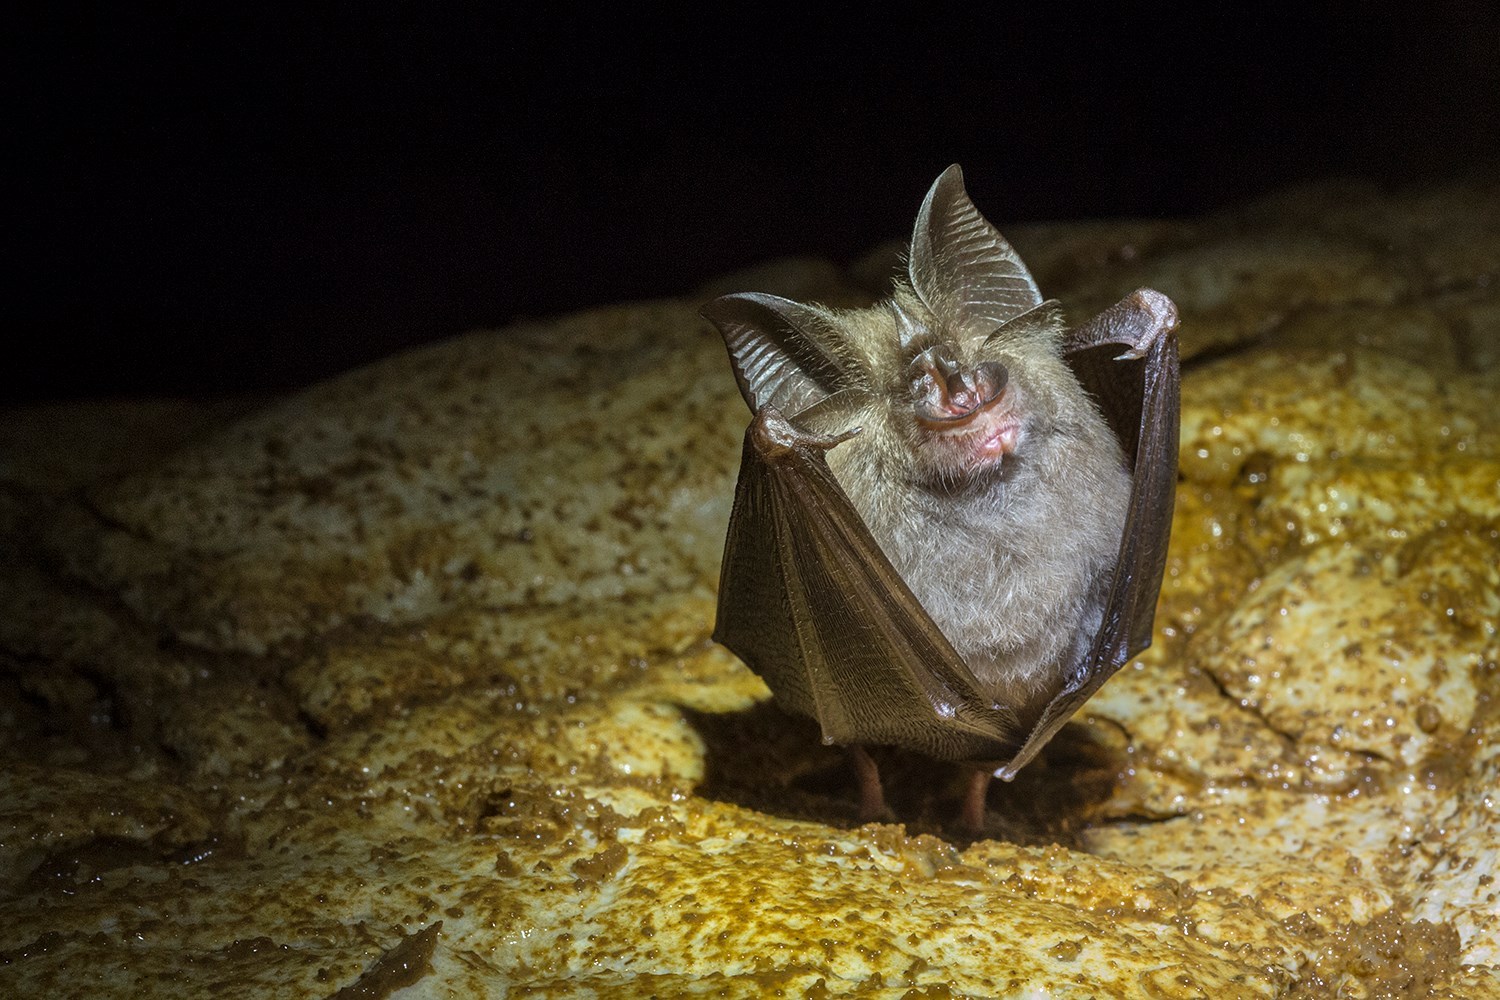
(951, 518)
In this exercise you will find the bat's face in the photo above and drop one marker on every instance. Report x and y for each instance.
(958, 377)
(954, 413)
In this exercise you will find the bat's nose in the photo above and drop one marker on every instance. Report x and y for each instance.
(969, 390)
(948, 396)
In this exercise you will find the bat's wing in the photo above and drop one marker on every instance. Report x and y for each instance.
(809, 601)
(1138, 393)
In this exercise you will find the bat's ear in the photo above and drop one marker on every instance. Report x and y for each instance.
(775, 360)
(961, 266)
(1036, 321)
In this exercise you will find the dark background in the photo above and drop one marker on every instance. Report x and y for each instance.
(246, 200)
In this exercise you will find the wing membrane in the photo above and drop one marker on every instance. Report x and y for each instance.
(1140, 399)
(810, 602)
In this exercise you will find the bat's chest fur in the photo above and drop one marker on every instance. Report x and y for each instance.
(1014, 570)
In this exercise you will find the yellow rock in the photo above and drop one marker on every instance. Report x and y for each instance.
(405, 681)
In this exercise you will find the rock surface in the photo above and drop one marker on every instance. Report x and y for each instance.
(403, 685)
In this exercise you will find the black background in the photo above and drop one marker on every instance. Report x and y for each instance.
(246, 200)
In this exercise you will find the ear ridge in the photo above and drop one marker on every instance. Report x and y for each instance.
(775, 360)
(1045, 317)
(961, 266)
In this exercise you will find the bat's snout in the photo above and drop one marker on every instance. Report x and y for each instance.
(947, 397)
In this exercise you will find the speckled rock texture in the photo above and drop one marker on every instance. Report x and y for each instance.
(402, 686)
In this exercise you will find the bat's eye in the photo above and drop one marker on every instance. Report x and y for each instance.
(946, 396)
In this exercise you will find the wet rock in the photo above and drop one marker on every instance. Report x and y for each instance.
(407, 677)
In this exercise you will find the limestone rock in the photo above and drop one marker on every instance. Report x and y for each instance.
(404, 683)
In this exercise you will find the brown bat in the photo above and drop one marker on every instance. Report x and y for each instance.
(952, 514)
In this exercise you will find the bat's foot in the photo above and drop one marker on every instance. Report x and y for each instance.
(971, 816)
(872, 807)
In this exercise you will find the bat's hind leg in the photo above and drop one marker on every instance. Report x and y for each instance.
(971, 814)
(872, 807)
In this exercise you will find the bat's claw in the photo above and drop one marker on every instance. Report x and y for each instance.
(774, 435)
(1154, 317)
(1137, 321)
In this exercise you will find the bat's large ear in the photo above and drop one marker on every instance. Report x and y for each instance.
(1038, 320)
(775, 361)
(961, 266)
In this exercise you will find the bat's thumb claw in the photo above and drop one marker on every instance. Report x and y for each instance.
(774, 435)
(1155, 317)
(843, 436)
